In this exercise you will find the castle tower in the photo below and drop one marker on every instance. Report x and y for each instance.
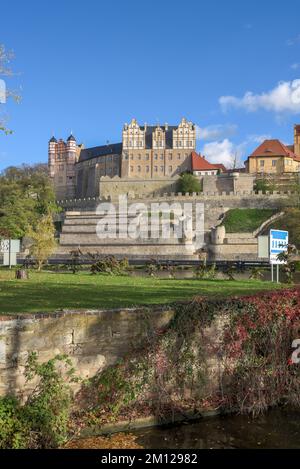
(52, 150)
(71, 153)
(297, 140)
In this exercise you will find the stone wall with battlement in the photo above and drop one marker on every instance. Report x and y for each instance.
(243, 199)
(113, 187)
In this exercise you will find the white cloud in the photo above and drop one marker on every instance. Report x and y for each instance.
(226, 152)
(295, 66)
(215, 132)
(219, 152)
(284, 98)
(293, 41)
(257, 138)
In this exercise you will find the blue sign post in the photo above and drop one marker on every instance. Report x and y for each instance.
(279, 241)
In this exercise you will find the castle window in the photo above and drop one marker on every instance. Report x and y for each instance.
(141, 144)
(139, 169)
(170, 156)
(147, 156)
(147, 169)
(155, 169)
(130, 143)
(161, 157)
(131, 169)
(140, 156)
(262, 163)
(273, 163)
(61, 167)
(191, 143)
(170, 169)
(161, 168)
(179, 156)
(155, 156)
(179, 143)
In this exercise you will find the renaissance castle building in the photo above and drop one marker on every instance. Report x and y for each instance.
(146, 153)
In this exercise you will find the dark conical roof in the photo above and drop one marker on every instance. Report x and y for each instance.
(71, 137)
(53, 139)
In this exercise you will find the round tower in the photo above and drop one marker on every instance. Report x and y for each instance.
(52, 149)
(71, 147)
(71, 157)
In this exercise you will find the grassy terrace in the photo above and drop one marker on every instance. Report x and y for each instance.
(45, 292)
(246, 220)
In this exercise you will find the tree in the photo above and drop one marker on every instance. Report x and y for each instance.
(264, 185)
(5, 71)
(43, 240)
(26, 194)
(188, 183)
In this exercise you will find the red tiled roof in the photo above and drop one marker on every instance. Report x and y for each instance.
(220, 166)
(201, 164)
(272, 148)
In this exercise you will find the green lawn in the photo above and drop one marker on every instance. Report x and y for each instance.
(45, 292)
(246, 220)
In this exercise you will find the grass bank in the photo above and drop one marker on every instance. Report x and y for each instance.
(246, 220)
(45, 292)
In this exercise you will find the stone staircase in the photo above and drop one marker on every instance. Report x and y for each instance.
(80, 231)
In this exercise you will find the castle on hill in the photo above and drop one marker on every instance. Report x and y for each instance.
(150, 159)
(145, 153)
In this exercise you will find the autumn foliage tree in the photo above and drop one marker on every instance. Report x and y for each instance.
(43, 240)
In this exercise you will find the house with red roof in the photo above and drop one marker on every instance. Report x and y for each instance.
(202, 167)
(273, 157)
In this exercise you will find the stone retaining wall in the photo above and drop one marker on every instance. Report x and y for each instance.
(93, 340)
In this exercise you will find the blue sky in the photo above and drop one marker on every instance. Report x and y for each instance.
(91, 66)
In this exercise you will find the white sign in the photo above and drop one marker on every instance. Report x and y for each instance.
(279, 241)
(9, 248)
(12, 245)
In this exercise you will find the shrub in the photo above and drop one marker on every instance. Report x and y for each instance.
(170, 371)
(188, 184)
(264, 185)
(42, 422)
(14, 428)
(109, 265)
(75, 264)
(203, 271)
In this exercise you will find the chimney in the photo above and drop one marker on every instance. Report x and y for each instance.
(166, 126)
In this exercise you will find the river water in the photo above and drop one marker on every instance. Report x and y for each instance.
(278, 429)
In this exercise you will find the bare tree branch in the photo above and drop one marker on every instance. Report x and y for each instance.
(6, 58)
